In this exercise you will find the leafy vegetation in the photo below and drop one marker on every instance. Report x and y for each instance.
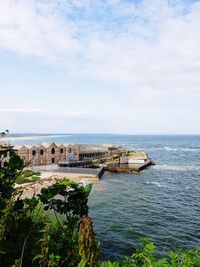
(53, 229)
(28, 176)
(43, 230)
(145, 257)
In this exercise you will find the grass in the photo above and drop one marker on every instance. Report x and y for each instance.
(28, 176)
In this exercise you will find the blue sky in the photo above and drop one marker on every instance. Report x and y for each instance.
(112, 66)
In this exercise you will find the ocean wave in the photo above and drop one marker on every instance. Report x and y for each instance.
(197, 188)
(158, 184)
(190, 149)
(168, 148)
(177, 167)
(181, 149)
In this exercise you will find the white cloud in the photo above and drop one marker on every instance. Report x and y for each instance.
(79, 114)
(149, 47)
(112, 40)
(50, 120)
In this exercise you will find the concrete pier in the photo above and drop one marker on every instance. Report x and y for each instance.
(89, 172)
(116, 161)
(129, 168)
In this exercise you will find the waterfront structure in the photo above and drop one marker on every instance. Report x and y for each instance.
(52, 153)
(87, 159)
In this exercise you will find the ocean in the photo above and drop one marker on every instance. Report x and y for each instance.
(161, 203)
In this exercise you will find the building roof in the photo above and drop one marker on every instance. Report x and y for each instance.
(82, 147)
(46, 144)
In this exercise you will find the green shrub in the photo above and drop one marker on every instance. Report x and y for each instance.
(145, 257)
(28, 176)
(42, 231)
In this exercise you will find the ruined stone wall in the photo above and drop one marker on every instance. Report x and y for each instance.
(24, 154)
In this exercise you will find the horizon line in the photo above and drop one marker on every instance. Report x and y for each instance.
(76, 133)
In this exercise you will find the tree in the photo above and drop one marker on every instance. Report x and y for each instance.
(9, 172)
(42, 230)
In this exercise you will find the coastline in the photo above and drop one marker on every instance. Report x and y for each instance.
(129, 200)
(31, 137)
(49, 178)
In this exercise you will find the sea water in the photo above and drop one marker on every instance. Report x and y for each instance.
(162, 202)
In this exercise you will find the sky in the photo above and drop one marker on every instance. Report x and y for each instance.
(100, 66)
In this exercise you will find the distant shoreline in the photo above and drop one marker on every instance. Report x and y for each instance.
(31, 137)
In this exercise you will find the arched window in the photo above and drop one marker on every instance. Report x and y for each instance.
(61, 150)
(53, 150)
(33, 152)
(5, 164)
(41, 152)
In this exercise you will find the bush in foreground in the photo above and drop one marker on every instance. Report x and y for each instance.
(145, 257)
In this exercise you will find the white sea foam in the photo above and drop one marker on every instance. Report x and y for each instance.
(190, 149)
(186, 149)
(158, 184)
(177, 167)
(164, 185)
(169, 148)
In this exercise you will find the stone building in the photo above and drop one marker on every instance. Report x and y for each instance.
(51, 153)
(43, 154)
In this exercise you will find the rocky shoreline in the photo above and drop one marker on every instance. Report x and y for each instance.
(126, 161)
(118, 161)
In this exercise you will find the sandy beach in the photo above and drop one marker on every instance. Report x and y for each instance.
(29, 137)
(49, 178)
